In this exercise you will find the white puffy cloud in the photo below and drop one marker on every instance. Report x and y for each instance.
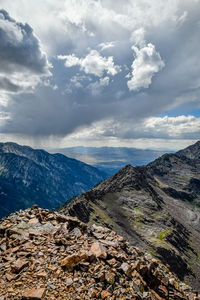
(147, 62)
(138, 37)
(70, 60)
(93, 63)
(169, 133)
(173, 127)
(179, 127)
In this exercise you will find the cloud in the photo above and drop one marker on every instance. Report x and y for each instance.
(77, 82)
(97, 86)
(180, 127)
(93, 63)
(147, 62)
(7, 85)
(138, 37)
(184, 127)
(107, 45)
(20, 55)
(89, 86)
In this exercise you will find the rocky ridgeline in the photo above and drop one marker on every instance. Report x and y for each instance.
(46, 255)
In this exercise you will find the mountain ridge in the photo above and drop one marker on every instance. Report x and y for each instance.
(29, 176)
(155, 207)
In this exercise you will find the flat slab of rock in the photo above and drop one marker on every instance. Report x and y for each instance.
(18, 265)
(34, 294)
(74, 259)
(126, 268)
(98, 250)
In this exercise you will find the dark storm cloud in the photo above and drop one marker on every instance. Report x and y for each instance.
(47, 112)
(7, 85)
(19, 48)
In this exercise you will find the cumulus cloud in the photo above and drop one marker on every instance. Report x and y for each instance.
(138, 37)
(147, 62)
(21, 58)
(173, 127)
(180, 127)
(93, 63)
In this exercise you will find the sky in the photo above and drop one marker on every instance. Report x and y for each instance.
(100, 73)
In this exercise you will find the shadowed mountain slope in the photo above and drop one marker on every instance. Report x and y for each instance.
(155, 207)
(29, 176)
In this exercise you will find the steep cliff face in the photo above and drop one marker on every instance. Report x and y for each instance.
(29, 176)
(155, 207)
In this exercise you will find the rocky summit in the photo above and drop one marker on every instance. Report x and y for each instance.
(156, 207)
(46, 255)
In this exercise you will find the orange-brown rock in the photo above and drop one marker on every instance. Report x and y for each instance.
(98, 250)
(34, 294)
(66, 261)
(105, 294)
(110, 277)
(74, 259)
(18, 265)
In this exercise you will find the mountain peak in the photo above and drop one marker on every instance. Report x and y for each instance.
(191, 152)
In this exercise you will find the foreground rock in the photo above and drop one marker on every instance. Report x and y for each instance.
(45, 255)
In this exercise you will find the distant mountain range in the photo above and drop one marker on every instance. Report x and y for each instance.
(111, 159)
(29, 176)
(156, 207)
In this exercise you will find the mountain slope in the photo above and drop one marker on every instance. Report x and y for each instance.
(155, 207)
(29, 176)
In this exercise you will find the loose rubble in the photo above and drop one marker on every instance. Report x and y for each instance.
(46, 255)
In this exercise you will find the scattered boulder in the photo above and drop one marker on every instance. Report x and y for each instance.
(126, 269)
(18, 265)
(34, 294)
(73, 260)
(98, 250)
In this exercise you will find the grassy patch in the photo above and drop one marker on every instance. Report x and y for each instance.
(162, 234)
(102, 216)
(157, 214)
(137, 208)
(152, 251)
